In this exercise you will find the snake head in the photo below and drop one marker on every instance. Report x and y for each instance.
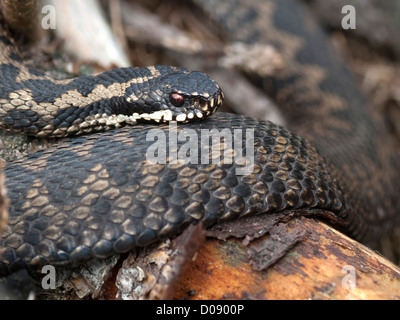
(177, 94)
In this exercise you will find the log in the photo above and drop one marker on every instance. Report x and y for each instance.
(301, 259)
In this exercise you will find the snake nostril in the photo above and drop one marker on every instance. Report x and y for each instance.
(177, 99)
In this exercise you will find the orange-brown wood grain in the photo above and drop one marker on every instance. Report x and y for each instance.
(317, 267)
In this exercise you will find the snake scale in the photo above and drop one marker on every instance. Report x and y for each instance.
(97, 194)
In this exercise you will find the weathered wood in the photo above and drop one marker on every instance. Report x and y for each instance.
(317, 262)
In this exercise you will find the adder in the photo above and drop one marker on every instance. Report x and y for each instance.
(97, 194)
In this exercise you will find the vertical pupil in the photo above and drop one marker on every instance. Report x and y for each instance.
(177, 99)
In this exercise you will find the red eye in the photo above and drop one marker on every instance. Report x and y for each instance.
(177, 99)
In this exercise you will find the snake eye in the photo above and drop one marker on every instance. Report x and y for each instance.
(177, 99)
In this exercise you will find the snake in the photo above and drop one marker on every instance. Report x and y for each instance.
(97, 193)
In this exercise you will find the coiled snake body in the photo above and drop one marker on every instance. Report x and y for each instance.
(98, 194)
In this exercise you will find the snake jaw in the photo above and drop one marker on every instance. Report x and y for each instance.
(178, 95)
(200, 107)
(197, 107)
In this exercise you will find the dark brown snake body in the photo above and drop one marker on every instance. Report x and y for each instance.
(97, 195)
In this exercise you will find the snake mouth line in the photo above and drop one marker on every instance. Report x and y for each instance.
(199, 109)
